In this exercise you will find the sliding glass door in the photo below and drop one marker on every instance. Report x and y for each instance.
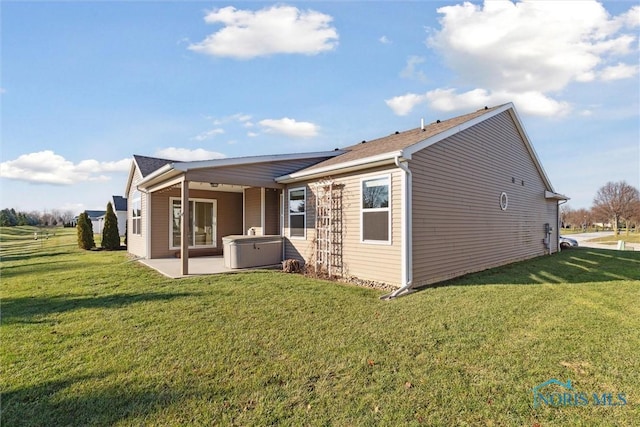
(202, 223)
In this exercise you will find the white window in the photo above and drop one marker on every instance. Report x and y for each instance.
(376, 210)
(202, 223)
(136, 213)
(297, 212)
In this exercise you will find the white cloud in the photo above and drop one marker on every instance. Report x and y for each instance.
(619, 71)
(208, 134)
(500, 45)
(289, 127)
(240, 117)
(410, 71)
(47, 167)
(631, 19)
(531, 102)
(277, 29)
(404, 104)
(384, 40)
(187, 155)
(526, 52)
(252, 134)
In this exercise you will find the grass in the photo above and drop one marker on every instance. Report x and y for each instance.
(613, 239)
(89, 338)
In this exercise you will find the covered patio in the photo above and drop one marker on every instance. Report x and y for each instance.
(191, 206)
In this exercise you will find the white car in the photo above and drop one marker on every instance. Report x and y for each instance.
(566, 243)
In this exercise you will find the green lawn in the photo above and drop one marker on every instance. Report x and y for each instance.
(90, 338)
(613, 239)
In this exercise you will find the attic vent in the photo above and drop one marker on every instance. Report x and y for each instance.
(397, 132)
(363, 141)
(486, 108)
(438, 121)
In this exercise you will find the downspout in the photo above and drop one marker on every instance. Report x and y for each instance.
(406, 231)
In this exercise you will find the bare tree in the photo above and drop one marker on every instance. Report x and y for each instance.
(576, 218)
(565, 215)
(615, 201)
(634, 217)
(67, 216)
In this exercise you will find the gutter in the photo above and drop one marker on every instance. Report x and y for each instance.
(156, 173)
(354, 165)
(407, 234)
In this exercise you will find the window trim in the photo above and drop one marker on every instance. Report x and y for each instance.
(136, 198)
(192, 202)
(388, 209)
(303, 214)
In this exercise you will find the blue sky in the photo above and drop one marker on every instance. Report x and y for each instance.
(85, 85)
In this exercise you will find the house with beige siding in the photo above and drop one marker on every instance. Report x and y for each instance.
(408, 209)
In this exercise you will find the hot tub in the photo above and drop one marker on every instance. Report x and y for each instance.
(251, 251)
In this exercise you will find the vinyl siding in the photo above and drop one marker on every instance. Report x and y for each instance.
(228, 220)
(458, 225)
(253, 210)
(272, 212)
(136, 243)
(377, 262)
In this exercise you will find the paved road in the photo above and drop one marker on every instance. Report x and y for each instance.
(583, 240)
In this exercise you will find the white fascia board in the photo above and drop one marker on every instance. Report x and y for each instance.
(409, 151)
(132, 171)
(166, 172)
(237, 161)
(556, 196)
(354, 165)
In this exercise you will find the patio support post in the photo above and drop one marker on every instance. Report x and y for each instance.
(184, 228)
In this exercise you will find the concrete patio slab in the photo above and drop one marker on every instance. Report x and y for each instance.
(198, 266)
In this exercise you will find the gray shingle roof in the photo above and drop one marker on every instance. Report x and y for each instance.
(119, 203)
(95, 214)
(149, 164)
(397, 141)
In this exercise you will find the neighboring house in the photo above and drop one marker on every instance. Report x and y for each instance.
(119, 205)
(97, 219)
(120, 209)
(409, 209)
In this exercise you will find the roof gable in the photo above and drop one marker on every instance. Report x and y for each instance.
(147, 165)
(399, 141)
(402, 145)
(119, 203)
(399, 144)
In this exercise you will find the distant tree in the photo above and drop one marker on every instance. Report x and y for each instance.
(634, 218)
(67, 217)
(8, 218)
(616, 201)
(576, 218)
(565, 214)
(110, 233)
(45, 218)
(85, 232)
(33, 218)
